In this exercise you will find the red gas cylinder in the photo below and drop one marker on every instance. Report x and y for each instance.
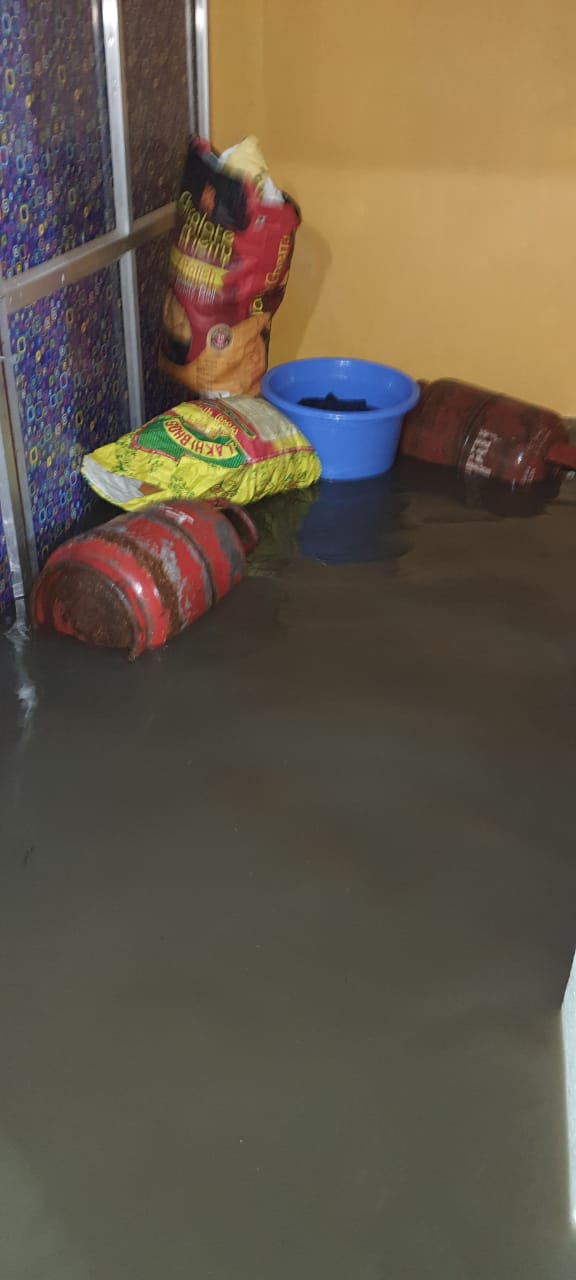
(133, 583)
(482, 433)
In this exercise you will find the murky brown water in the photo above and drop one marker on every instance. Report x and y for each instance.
(287, 909)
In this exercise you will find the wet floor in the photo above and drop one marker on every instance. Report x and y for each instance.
(287, 910)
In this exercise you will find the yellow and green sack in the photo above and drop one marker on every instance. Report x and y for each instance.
(239, 449)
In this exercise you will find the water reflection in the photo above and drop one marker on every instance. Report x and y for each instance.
(455, 495)
(364, 521)
(355, 522)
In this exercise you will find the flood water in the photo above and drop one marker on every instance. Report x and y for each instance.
(287, 910)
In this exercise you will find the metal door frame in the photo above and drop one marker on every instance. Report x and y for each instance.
(119, 245)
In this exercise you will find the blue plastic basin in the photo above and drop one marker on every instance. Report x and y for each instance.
(351, 446)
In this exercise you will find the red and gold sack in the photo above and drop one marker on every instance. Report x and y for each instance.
(229, 267)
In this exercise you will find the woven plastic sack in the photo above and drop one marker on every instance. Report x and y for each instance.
(229, 266)
(241, 449)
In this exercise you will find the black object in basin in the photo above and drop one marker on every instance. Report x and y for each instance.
(333, 404)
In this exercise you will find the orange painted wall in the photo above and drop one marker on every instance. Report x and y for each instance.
(432, 146)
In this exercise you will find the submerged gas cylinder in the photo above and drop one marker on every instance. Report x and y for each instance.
(133, 583)
(485, 434)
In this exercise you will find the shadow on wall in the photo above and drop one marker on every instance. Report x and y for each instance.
(312, 258)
